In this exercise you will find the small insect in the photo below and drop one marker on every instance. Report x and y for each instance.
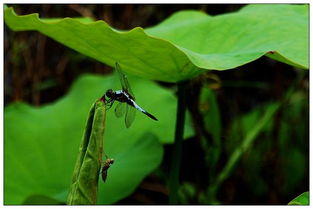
(127, 105)
(104, 171)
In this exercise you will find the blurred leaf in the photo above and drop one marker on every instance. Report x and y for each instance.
(186, 43)
(210, 108)
(211, 115)
(129, 168)
(45, 85)
(302, 199)
(251, 126)
(298, 113)
(294, 168)
(245, 124)
(41, 144)
(187, 193)
(294, 140)
(251, 130)
(40, 200)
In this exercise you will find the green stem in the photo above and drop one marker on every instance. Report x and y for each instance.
(177, 152)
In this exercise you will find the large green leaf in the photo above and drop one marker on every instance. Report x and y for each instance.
(187, 42)
(41, 144)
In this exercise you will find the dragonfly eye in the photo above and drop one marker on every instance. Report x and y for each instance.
(109, 93)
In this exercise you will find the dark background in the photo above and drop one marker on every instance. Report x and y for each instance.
(38, 70)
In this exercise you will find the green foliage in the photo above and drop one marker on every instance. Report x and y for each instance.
(187, 193)
(295, 159)
(130, 167)
(83, 190)
(211, 115)
(245, 125)
(41, 144)
(302, 199)
(251, 142)
(210, 109)
(253, 127)
(41, 200)
(186, 43)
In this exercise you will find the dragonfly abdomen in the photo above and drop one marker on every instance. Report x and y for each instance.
(141, 110)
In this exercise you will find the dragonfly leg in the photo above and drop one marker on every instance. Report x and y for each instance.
(108, 103)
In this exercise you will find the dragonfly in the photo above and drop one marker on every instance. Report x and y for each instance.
(127, 105)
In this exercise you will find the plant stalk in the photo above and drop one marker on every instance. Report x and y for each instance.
(177, 152)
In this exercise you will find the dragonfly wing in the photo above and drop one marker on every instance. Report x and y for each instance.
(120, 109)
(124, 81)
(130, 116)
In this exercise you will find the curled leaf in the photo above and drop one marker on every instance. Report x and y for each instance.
(86, 172)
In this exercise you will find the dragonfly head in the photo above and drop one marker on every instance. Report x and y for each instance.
(109, 93)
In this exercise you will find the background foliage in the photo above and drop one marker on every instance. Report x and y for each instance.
(273, 169)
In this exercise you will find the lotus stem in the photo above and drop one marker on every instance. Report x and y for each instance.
(177, 152)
